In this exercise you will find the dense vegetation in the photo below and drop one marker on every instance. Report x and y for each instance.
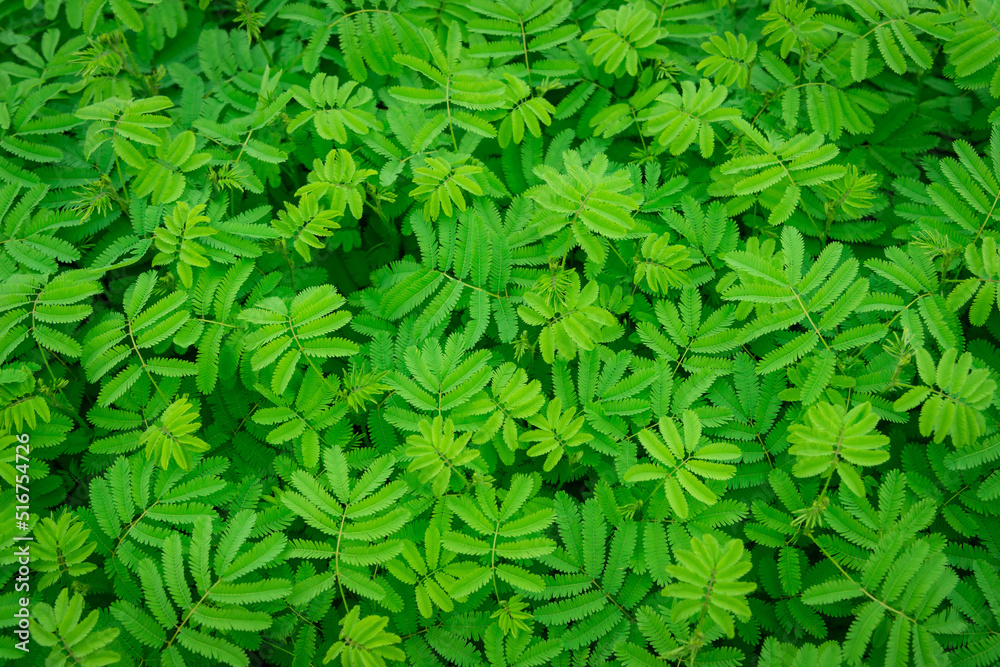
(501, 332)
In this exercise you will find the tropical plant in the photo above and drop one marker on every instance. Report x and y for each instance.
(506, 333)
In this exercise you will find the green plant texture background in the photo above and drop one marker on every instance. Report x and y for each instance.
(501, 333)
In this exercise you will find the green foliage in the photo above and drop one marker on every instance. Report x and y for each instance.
(681, 461)
(306, 223)
(832, 439)
(572, 324)
(437, 453)
(439, 184)
(708, 582)
(662, 265)
(364, 641)
(678, 120)
(778, 170)
(619, 35)
(730, 59)
(175, 240)
(334, 108)
(892, 564)
(585, 205)
(73, 640)
(506, 333)
(172, 436)
(555, 432)
(953, 398)
(525, 112)
(63, 548)
(355, 520)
